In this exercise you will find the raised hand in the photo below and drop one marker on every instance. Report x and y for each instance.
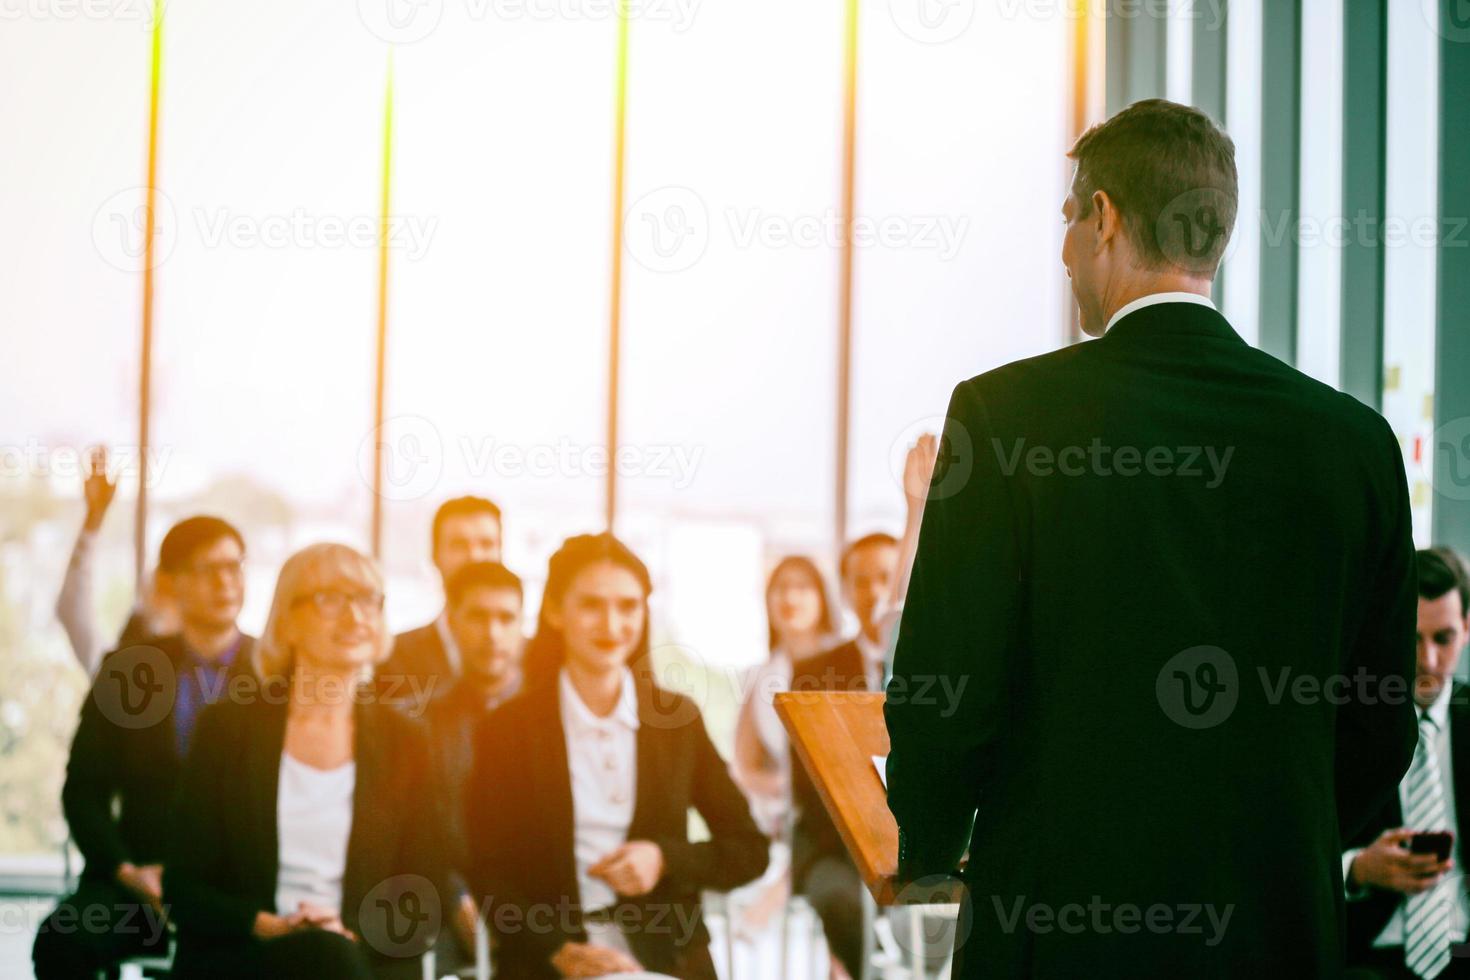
(97, 488)
(918, 470)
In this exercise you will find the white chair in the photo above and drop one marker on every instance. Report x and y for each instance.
(142, 967)
(481, 968)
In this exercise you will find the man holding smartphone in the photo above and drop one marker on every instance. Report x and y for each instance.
(1408, 909)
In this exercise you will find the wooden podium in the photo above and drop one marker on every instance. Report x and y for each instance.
(836, 734)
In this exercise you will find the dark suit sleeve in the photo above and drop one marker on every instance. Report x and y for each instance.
(946, 707)
(209, 786)
(494, 832)
(136, 630)
(416, 671)
(1376, 734)
(424, 850)
(485, 823)
(91, 783)
(737, 851)
(449, 798)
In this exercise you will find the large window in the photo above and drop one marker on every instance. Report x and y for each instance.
(1410, 275)
(971, 180)
(1240, 300)
(266, 310)
(497, 345)
(70, 254)
(1320, 229)
(730, 323)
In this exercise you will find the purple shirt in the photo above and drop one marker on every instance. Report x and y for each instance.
(201, 682)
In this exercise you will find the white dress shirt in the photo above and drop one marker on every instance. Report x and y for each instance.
(602, 759)
(1153, 299)
(874, 661)
(74, 604)
(451, 648)
(313, 822)
(1393, 932)
(766, 681)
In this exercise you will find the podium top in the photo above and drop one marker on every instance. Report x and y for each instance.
(836, 734)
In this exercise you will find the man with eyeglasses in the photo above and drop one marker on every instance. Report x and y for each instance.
(129, 748)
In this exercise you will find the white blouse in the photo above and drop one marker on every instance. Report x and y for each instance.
(313, 822)
(766, 681)
(602, 759)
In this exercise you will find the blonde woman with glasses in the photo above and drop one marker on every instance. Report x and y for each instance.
(303, 849)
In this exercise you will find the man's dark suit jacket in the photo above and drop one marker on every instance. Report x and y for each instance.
(417, 671)
(1367, 916)
(223, 871)
(453, 722)
(522, 865)
(815, 835)
(124, 753)
(1114, 758)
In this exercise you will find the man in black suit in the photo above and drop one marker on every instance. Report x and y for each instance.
(426, 661)
(821, 869)
(484, 601)
(1408, 912)
(128, 752)
(1169, 582)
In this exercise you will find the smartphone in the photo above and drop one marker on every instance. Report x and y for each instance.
(1437, 842)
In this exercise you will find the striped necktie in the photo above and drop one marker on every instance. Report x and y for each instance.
(1427, 915)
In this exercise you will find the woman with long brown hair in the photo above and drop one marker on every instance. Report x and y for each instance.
(578, 806)
(799, 624)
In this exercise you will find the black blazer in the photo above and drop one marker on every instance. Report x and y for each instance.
(124, 753)
(815, 835)
(1080, 556)
(452, 723)
(417, 670)
(1367, 916)
(223, 870)
(522, 866)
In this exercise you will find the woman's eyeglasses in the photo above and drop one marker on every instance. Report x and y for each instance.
(331, 602)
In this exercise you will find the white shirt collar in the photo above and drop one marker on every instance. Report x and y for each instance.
(451, 648)
(872, 652)
(1153, 299)
(577, 714)
(1439, 711)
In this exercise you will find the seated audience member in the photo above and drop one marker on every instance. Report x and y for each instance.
(483, 601)
(154, 614)
(579, 803)
(135, 728)
(820, 866)
(309, 849)
(799, 624)
(426, 661)
(1407, 910)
